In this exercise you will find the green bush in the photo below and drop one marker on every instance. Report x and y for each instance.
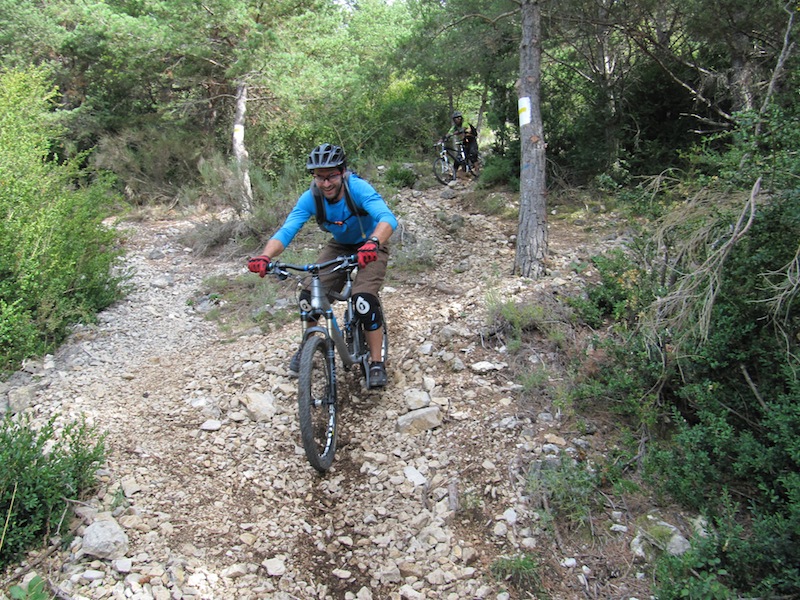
(500, 170)
(721, 401)
(522, 572)
(569, 488)
(734, 554)
(40, 474)
(760, 145)
(737, 411)
(696, 574)
(56, 254)
(156, 161)
(400, 176)
(625, 289)
(36, 589)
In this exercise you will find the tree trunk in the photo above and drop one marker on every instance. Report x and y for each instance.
(532, 232)
(239, 150)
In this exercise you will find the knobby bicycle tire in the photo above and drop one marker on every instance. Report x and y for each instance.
(316, 399)
(444, 170)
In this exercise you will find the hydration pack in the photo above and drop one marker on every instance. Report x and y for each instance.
(320, 202)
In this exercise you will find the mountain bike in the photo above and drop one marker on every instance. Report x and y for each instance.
(446, 165)
(323, 339)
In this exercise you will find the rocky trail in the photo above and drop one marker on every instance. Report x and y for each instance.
(207, 494)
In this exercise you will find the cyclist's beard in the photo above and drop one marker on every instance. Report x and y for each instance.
(333, 195)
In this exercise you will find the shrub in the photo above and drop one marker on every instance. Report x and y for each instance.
(760, 145)
(400, 176)
(40, 473)
(55, 252)
(696, 574)
(522, 572)
(568, 488)
(510, 320)
(500, 170)
(155, 161)
(625, 289)
(722, 397)
(36, 589)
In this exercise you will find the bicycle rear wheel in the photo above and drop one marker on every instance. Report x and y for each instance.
(316, 401)
(444, 170)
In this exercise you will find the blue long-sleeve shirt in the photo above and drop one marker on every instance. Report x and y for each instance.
(345, 227)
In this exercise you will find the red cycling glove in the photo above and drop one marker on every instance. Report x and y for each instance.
(259, 264)
(367, 253)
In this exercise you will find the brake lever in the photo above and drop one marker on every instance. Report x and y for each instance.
(281, 274)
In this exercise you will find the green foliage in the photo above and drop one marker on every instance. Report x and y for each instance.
(40, 472)
(380, 78)
(761, 145)
(511, 320)
(696, 574)
(522, 572)
(575, 127)
(36, 589)
(730, 396)
(400, 176)
(626, 382)
(55, 252)
(758, 558)
(625, 289)
(154, 163)
(568, 487)
(500, 170)
(738, 406)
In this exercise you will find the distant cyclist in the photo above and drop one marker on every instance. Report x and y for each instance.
(467, 136)
(361, 223)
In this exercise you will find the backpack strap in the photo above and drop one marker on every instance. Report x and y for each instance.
(319, 202)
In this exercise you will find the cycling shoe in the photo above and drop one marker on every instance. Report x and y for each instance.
(377, 375)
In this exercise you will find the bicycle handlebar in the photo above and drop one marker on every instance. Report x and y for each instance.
(347, 262)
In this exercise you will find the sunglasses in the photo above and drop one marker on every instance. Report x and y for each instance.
(332, 177)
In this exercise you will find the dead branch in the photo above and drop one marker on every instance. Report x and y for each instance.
(753, 387)
(556, 532)
(786, 50)
(686, 311)
(787, 290)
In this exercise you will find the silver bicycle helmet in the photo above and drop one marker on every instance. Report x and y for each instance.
(326, 156)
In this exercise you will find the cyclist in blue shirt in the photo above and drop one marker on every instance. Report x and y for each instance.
(361, 223)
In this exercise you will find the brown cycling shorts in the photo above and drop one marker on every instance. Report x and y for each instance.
(369, 280)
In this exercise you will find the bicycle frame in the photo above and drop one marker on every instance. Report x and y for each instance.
(450, 160)
(456, 156)
(317, 382)
(321, 308)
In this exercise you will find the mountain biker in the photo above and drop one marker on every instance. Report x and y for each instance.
(360, 224)
(467, 136)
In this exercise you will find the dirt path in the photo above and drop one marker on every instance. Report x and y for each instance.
(219, 504)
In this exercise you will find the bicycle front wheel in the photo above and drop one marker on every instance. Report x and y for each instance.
(316, 400)
(444, 170)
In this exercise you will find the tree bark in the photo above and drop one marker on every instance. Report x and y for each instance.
(532, 231)
(239, 150)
